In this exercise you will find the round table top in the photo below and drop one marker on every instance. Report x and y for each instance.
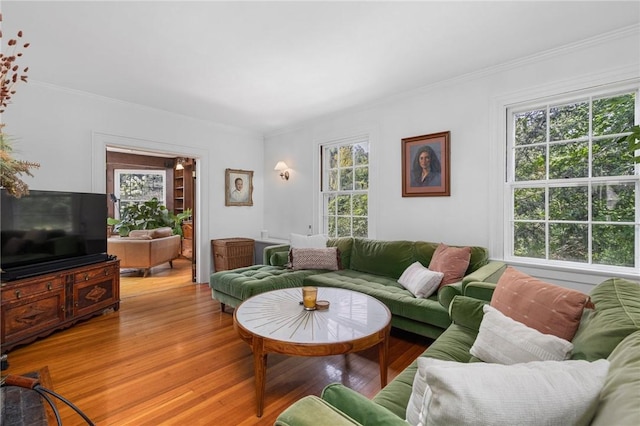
(278, 315)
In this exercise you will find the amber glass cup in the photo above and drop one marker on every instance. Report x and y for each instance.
(309, 296)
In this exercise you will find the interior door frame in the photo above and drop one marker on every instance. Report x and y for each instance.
(100, 143)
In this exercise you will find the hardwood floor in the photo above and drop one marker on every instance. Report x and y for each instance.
(170, 356)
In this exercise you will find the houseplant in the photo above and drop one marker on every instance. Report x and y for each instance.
(10, 75)
(633, 141)
(150, 214)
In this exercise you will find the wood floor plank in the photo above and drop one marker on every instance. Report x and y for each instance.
(170, 356)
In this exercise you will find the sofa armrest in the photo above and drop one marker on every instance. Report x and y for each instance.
(308, 410)
(480, 290)
(270, 250)
(467, 312)
(358, 407)
(490, 272)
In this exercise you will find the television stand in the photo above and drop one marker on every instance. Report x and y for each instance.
(37, 306)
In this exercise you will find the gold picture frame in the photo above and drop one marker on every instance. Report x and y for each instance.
(238, 187)
(432, 150)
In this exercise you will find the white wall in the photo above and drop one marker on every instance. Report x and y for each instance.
(60, 129)
(466, 107)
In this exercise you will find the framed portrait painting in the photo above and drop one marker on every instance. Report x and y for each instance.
(425, 165)
(238, 187)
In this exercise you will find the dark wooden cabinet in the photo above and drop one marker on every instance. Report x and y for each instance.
(35, 307)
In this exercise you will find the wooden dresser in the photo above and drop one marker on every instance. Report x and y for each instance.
(37, 306)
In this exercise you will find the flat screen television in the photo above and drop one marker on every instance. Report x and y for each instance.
(47, 231)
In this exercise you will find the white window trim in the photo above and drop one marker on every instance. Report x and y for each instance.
(371, 133)
(625, 78)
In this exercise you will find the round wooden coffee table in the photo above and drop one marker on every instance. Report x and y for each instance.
(275, 322)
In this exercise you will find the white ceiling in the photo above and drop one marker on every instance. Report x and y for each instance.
(269, 65)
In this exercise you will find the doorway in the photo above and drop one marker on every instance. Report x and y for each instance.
(136, 176)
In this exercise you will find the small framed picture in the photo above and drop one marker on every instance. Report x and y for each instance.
(238, 187)
(425, 165)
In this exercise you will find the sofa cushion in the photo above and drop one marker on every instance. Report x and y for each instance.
(243, 283)
(615, 316)
(384, 258)
(315, 258)
(506, 341)
(345, 245)
(548, 308)
(279, 258)
(399, 300)
(308, 241)
(451, 261)
(452, 345)
(617, 405)
(420, 281)
(539, 392)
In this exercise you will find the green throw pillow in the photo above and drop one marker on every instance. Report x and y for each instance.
(279, 258)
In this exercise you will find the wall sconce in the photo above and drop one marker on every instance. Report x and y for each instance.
(179, 165)
(282, 168)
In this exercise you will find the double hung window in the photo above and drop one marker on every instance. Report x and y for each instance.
(573, 188)
(138, 186)
(345, 188)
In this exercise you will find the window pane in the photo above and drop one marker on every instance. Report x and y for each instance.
(362, 178)
(570, 160)
(569, 121)
(333, 157)
(528, 203)
(333, 180)
(611, 158)
(614, 245)
(330, 206)
(529, 240)
(360, 204)
(530, 163)
(344, 227)
(331, 227)
(568, 241)
(568, 203)
(344, 205)
(613, 115)
(360, 227)
(346, 156)
(614, 203)
(346, 180)
(361, 154)
(530, 127)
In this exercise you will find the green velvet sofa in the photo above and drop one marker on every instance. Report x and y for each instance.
(611, 330)
(369, 266)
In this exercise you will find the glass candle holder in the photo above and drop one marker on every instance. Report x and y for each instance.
(309, 296)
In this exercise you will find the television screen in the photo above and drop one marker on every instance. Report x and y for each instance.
(50, 230)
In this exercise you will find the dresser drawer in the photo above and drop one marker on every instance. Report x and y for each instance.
(17, 292)
(91, 274)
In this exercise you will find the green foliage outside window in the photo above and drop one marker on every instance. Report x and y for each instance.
(574, 185)
(346, 200)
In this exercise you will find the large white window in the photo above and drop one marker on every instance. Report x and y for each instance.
(138, 186)
(573, 188)
(345, 188)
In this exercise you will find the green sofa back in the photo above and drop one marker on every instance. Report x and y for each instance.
(391, 258)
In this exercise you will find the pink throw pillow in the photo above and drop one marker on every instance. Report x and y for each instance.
(546, 307)
(451, 261)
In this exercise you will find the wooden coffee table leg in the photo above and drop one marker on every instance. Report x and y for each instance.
(383, 355)
(260, 372)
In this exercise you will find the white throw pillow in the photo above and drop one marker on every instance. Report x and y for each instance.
(420, 281)
(414, 407)
(307, 241)
(534, 393)
(506, 341)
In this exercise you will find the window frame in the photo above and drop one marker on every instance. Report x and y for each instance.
(117, 173)
(510, 184)
(324, 179)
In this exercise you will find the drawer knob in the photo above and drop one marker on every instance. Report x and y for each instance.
(18, 294)
(62, 308)
(86, 277)
(49, 286)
